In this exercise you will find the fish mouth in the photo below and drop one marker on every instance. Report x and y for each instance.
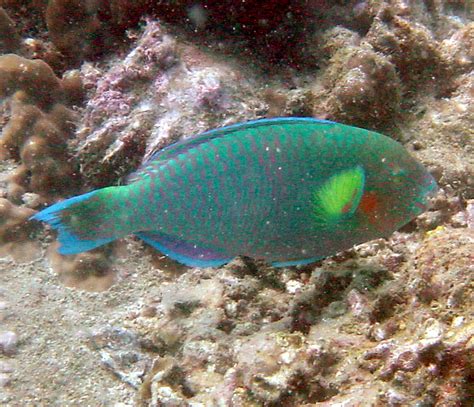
(429, 190)
(430, 186)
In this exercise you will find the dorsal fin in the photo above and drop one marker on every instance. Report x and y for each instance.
(182, 146)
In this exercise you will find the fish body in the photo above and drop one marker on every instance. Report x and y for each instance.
(285, 190)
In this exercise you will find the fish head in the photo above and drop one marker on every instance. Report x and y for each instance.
(398, 188)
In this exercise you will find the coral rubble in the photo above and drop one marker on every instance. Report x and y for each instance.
(230, 335)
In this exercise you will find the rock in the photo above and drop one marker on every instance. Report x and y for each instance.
(158, 94)
(38, 128)
(8, 342)
(4, 380)
(365, 88)
(9, 38)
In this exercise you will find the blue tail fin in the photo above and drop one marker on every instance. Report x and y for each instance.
(71, 243)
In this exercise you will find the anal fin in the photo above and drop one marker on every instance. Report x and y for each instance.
(184, 252)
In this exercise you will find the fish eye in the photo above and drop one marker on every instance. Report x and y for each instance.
(394, 169)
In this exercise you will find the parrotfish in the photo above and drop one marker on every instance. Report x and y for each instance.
(288, 191)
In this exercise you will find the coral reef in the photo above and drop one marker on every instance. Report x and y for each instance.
(79, 29)
(83, 29)
(26, 33)
(249, 338)
(385, 323)
(378, 74)
(410, 45)
(446, 126)
(13, 221)
(365, 87)
(39, 127)
(159, 93)
(90, 271)
(16, 232)
(27, 14)
(9, 38)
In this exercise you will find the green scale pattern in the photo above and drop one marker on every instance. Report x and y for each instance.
(250, 192)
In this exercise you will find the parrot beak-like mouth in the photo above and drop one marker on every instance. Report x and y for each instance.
(431, 187)
(429, 191)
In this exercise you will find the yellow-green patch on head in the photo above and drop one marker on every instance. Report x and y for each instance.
(339, 196)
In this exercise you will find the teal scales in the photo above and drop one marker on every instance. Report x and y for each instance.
(285, 190)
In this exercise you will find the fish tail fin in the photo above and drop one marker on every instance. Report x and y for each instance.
(86, 221)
